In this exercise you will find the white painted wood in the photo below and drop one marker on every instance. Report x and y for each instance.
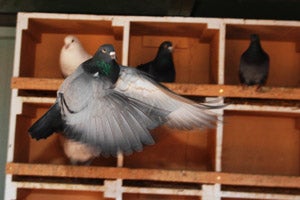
(162, 191)
(7, 39)
(113, 189)
(15, 108)
(263, 108)
(45, 100)
(257, 195)
(126, 40)
(211, 192)
(219, 142)
(261, 22)
(221, 63)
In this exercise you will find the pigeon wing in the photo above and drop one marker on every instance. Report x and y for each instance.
(184, 113)
(110, 121)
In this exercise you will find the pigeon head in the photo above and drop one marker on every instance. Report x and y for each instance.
(103, 63)
(254, 37)
(106, 51)
(71, 41)
(166, 46)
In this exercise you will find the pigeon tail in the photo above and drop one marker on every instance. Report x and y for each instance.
(49, 123)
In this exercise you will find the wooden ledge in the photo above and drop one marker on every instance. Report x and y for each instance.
(48, 170)
(206, 90)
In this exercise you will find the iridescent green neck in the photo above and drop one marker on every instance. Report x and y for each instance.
(104, 67)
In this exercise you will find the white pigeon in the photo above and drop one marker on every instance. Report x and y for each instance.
(72, 54)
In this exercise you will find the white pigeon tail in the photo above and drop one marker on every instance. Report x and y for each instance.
(79, 153)
(72, 54)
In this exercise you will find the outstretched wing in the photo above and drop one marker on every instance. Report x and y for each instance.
(184, 113)
(110, 121)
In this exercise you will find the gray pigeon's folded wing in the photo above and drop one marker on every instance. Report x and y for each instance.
(76, 91)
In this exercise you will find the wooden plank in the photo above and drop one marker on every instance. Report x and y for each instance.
(153, 175)
(180, 88)
(35, 83)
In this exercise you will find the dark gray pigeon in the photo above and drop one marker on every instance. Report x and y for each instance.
(254, 64)
(162, 67)
(88, 109)
(112, 107)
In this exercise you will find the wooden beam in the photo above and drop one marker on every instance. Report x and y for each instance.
(153, 175)
(206, 90)
(35, 83)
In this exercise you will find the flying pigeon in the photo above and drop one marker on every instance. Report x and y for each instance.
(161, 67)
(112, 108)
(72, 54)
(89, 110)
(254, 64)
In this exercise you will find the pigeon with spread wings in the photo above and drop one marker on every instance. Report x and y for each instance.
(112, 107)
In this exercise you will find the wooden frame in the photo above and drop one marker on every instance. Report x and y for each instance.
(214, 36)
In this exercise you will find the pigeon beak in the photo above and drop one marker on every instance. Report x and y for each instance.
(67, 46)
(112, 55)
(170, 48)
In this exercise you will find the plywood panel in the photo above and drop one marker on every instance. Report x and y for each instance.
(269, 31)
(193, 53)
(284, 62)
(43, 39)
(38, 194)
(48, 50)
(260, 144)
(191, 58)
(188, 150)
(48, 150)
(27, 56)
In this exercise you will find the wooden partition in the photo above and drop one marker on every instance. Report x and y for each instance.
(252, 154)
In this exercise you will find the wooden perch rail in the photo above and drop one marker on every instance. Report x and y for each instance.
(207, 90)
(152, 175)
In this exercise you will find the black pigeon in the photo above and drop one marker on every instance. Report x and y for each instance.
(254, 64)
(162, 67)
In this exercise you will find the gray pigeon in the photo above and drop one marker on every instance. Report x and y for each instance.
(254, 64)
(112, 107)
(89, 110)
(162, 66)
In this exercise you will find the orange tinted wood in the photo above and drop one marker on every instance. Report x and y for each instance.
(152, 174)
(180, 88)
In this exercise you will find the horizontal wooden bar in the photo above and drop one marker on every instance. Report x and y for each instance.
(35, 83)
(207, 90)
(49, 170)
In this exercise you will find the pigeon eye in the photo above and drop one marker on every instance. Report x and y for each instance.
(73, 40)
(104, 50)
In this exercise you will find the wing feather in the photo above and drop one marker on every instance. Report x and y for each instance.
(111, 121)
(184, 113)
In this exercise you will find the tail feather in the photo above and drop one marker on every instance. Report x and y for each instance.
(49, 123)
